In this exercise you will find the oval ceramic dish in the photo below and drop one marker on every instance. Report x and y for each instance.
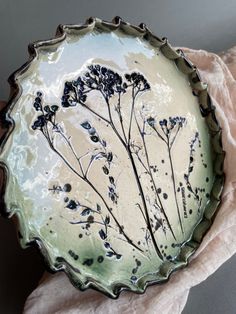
(112, 157)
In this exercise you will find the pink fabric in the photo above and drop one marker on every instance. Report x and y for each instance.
(55, 294)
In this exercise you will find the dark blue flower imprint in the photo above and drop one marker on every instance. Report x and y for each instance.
(111, 86)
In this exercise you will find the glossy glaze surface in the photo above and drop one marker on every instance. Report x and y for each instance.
(110, 162)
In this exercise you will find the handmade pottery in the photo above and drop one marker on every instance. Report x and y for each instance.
(113, 158)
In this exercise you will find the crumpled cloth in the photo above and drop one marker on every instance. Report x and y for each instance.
(55, 294)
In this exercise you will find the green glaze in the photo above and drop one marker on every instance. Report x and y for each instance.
(114, 162)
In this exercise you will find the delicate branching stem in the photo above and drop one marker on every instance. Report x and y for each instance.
(173, 182)
(190, 167)
(149, 227)
(121, 118)
(58, 130)
(134, 94)
(174, 138)
(142, 134)
(126, 144)
(141, 162)
(96, 114)
(159, 135)
(123, 142)
(167, 129)
(128, 149)
(121, 230)
(107, 83)
(85, 179)
(90, 164)
(80, 222)
(112, 123)
(141, 210)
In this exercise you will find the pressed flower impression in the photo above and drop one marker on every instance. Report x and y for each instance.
(114, 162)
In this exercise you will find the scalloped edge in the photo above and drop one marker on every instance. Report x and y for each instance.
(207, 111)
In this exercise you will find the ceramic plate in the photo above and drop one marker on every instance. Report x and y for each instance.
(113, 159)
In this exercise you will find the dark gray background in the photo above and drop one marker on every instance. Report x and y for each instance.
(201, 24)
